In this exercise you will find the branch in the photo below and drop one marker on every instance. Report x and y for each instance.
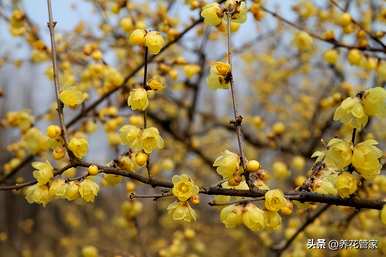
(335, 43)
(216, 190)
(280, 249)
(51, 25)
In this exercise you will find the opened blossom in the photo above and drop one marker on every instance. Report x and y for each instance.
(184, 187)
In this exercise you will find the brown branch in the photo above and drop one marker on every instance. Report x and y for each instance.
(335, 43)
(370, 34)
(216, 190)
(280, 249)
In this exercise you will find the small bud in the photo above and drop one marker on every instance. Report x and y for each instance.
(93, 170)
(141, 158)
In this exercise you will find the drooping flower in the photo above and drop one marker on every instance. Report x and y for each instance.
(78, 146)
(374, 101)
(346, 184)
(43, 172)
(339, 153)
(138, 99)
(212, 14)
(88, 190)
(274, 200)
(131, 136)
(72, 191)
(253, 218)
(57, 188)
(232, 215)
(351, 112)
(272, 220)
(154, 42)
(37, 194)
(366, 157)
(181, 211)
(227, 164)
(151, 140)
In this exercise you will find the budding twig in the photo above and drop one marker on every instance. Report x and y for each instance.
(237, 118)
(51, 26)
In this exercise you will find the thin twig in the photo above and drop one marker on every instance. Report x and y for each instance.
(280, 249)
(237, 118)
(51, 26)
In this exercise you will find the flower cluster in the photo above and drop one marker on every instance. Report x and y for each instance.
(251, 216)
(47, 188)
(214, 13)
(364, 156)
(153, 40)
(147, 139)
(354, 111)
(183, 189)
(228, 166)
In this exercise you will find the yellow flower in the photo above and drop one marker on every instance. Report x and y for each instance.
(89, 251)
(111, 180)
(37, 194)
(218, 76)
(383, 215)
(131, 209)
(35, 141)
(154, 42)
(138, 99)
(274, 200)
(365, 159)
(72, 97)
(181, 211)
(325, 186)
(131, 136)
(303, 41)
(126, 24)
(239, 14)
(231, 216)
(272, 220)
(78, 146)
(156, 83)
(191, 69)
(137, 37)
(280, 170)
(53, 131)
(354, 57)
(72, 191)
(331, 56)
(344, 19)
(58, 188)
(298, 163)
(211, 14)
(339, 153)
(374, 101)
(43, 172)
(346, 184)
(151, 140)
(351, 112)
(183, 187)
(88, 190)
(253, 218)
(227, 164)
